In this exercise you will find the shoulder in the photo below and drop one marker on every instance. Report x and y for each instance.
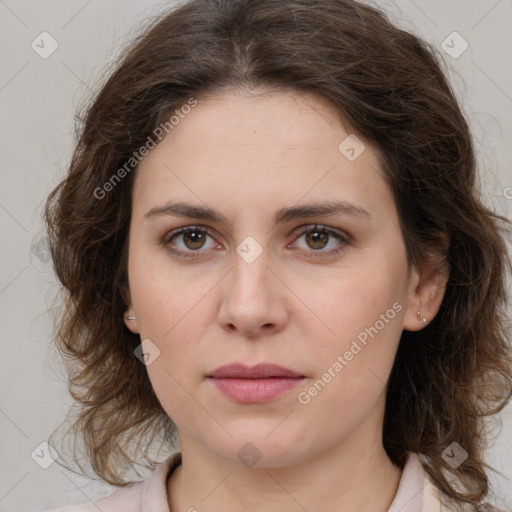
(436, 501)
(127, 499)
(150, 494)
(486, 507)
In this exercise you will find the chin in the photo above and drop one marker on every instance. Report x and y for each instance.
(261, 445)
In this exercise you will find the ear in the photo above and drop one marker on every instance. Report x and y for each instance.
(130, 319)
(425, 295)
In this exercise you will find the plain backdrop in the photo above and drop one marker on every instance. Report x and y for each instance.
(38, 100)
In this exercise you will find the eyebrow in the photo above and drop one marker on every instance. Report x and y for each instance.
(181, 209)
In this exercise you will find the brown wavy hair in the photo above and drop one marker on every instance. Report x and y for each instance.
(389, 87)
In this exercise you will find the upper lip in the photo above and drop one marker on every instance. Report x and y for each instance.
(259, 371)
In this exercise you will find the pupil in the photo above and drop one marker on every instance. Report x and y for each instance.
(195, 238)
(316, 237)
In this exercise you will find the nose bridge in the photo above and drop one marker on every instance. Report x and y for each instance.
(254, 237)
(254, 262)
(250, 266)
(250, 299)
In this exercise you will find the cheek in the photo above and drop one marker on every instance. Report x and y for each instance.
(363, 311)
(357, 300)
(169, 318)
(161, 294)
(352, 369)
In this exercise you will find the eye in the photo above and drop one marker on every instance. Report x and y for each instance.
(319, 237)
(193, 238)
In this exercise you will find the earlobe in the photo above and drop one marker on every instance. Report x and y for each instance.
(130, 320)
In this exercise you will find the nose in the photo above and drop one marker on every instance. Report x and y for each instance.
(254, 301)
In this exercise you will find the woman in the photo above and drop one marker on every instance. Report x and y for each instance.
(276, 255)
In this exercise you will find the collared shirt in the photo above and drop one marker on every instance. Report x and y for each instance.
(416, 493)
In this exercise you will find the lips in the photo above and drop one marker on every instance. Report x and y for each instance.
(260, 371)
(254, 384)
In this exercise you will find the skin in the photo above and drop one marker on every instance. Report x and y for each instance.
(248, 154)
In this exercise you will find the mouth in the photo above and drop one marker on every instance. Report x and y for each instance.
(260, 371)
(254, 384)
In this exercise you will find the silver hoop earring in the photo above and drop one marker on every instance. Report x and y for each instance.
(130, 317)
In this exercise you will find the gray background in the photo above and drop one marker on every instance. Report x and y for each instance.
(38, 99)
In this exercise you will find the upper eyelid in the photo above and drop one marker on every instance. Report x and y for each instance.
(298, 231)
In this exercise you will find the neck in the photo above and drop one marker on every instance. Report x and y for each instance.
(349, 476)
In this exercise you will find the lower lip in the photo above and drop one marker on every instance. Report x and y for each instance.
(254, 391)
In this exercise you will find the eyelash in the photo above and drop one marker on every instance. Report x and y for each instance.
(343, 237)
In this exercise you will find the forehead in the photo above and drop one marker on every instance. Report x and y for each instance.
(259, 148)
(251, 116)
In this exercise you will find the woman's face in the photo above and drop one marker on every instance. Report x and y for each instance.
(254, 282)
